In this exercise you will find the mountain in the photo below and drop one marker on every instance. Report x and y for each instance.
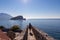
(18, 18)
(4, 16)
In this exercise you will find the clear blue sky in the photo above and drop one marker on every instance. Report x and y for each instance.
(31, 8)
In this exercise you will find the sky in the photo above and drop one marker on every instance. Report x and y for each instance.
(31, 8)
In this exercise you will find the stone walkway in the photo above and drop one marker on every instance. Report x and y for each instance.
(31, 35)
(19, 36)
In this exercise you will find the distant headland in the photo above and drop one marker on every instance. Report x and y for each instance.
(4, 16)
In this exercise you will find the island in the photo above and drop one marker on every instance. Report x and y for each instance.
(18, 18)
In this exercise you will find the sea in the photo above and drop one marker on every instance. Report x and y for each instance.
(50, 26)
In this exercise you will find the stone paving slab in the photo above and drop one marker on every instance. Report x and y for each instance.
(31, 36)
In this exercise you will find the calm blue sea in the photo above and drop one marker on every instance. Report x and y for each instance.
(52, 27)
